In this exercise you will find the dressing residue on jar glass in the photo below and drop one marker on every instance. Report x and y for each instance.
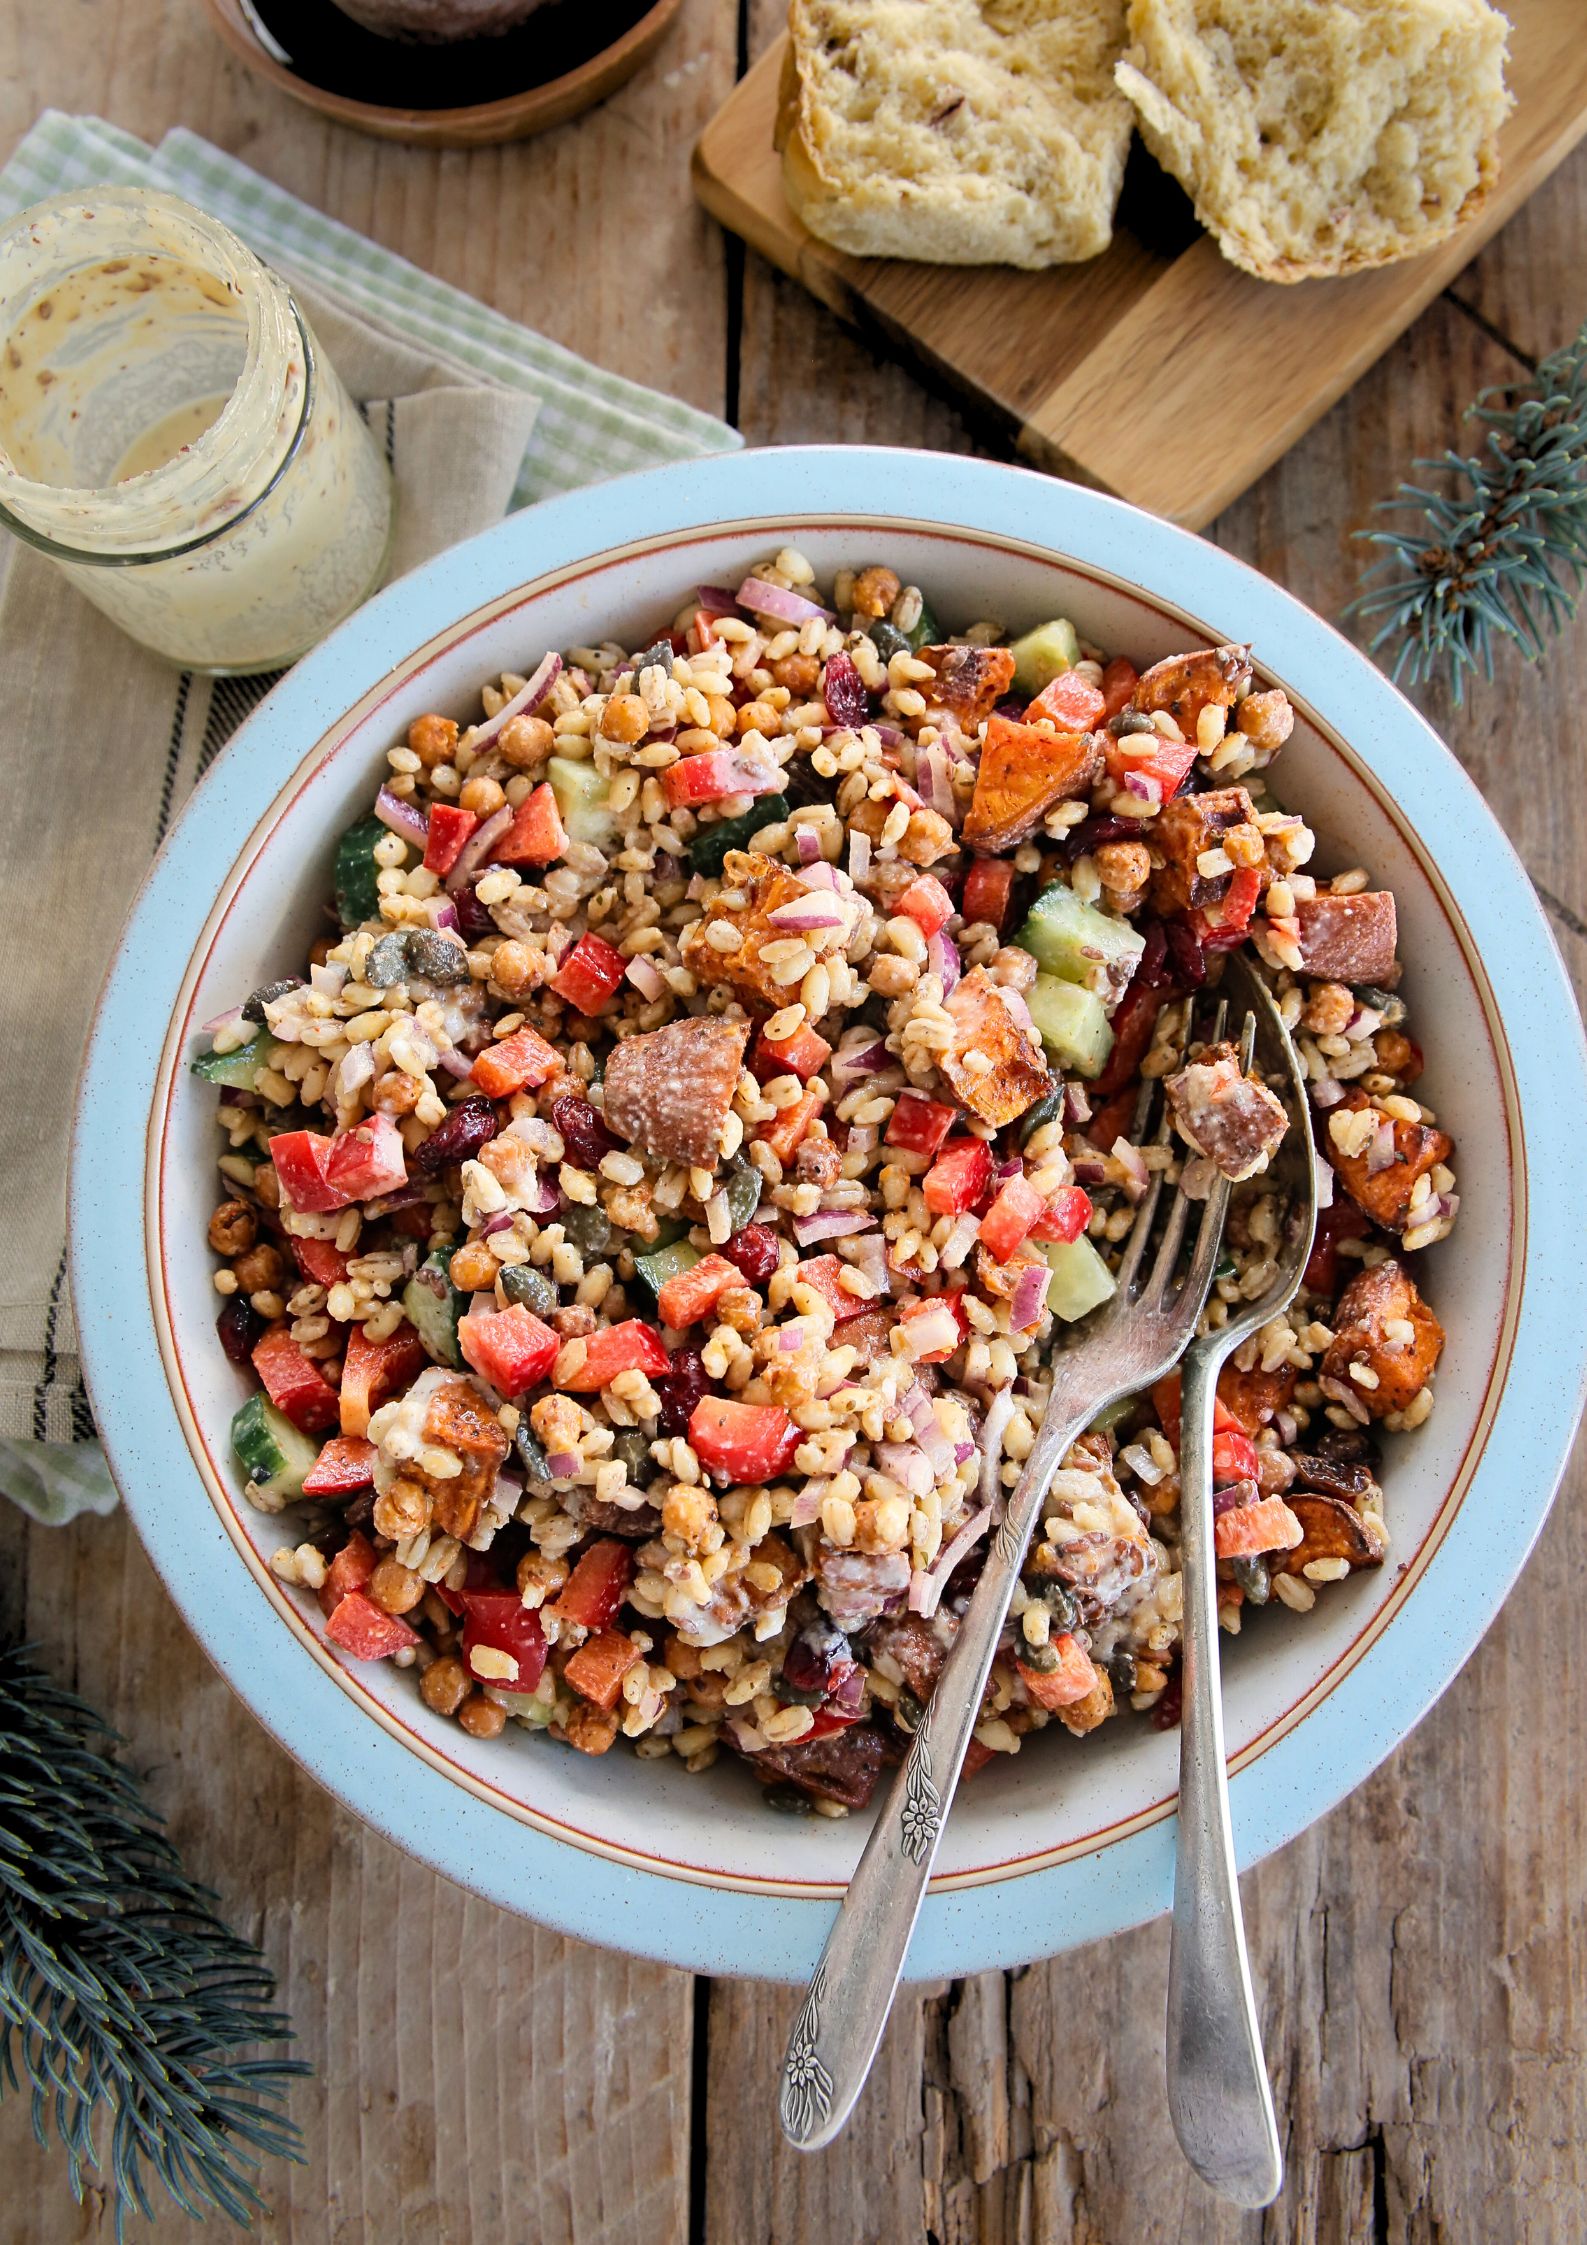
(172, 438)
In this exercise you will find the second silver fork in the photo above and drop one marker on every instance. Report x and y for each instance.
(1136, 1337)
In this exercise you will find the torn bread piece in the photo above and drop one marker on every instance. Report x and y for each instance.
(1230, 1117)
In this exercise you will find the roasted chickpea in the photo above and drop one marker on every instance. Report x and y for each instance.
(473, 1268)
(589, 1730)
(444, 1685)
(875, 590)
(482, 797)
(395, 1093)
(261, 1269)
(1398, 1055)
(481, 1717)
(683, 1659)
(233, 1228)
(724, 717)
(515, 970)
(432, 739)
(574, 1323)
(625, 719)
(396, 1589)
(402, 1510)
(801, 674)
(759, 717)
(537, 1572)
(1123, 867)
(526, 742)
(1266, 720)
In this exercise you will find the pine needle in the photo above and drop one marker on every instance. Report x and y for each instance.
(1499, 547)
(122, 1994)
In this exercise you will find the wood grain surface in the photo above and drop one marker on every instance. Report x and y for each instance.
(1157, 371)
(1420, 1956)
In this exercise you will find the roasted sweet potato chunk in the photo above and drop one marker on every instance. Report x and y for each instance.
(1386, 1343)
(1350, 938)
(1385, 1194)
(1185, 828)
(1255, 1397)
(670, 1090)
(969, 681)
(1024, 771)
(1333, 1530)
(460, 1420)
(1082, 1715)
(753, 887)
(1185, 685)
(994, 1064)
(842, 1766)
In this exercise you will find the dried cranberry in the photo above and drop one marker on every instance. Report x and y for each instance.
(816, 1660)
(1165, 1715)
(470, 1125)
(1152, 971)
(473, 918)
(1013, 707)
(582, 1131)
(1190, 962)
(682, 1389)
(843, 690)
(1091, 833)
(754, 1252)
(239, 1326)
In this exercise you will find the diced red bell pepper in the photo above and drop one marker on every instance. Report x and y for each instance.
(924, 1306)
(302, 1163)
(500, 1620)
(513, 1064)
(346, 1463)
(349, 1570)
(988, 887)
(1072, 703)
(1134, 1019)
(374, 1371)
(294, 1382)
(450, 828)
(1074, 1678)
(958, 1177)
(320, 1262)
(1011, 1217)
(589, 974)
(1233, 909)
(1119, 681)
(597, 1669)
(823, 1272)
(785, 1134)
(744, 1442)
(368, 1159)
(632, 1346)
(919, 1125)
(1341, 1221)
(825, 1720)
(719, 772)
(928, 904)
(1233, 1451)
(537, 835)
(804, 1055)
(1066, 1215)
(479, 1574)
(1153, 757)
(598, 1584)
(1113, 1119)
(976, 1757)
(1267, 1525)
(366, 1630)
(692, 1292)
(510, 1348)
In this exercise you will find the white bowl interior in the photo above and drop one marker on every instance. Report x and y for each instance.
(1058, 1794)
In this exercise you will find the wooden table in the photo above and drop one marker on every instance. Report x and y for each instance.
(479, 2082)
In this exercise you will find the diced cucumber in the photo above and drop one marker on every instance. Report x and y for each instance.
(433, 1305)
(275, 1455)
(1044, 654)
(236, 1069)
(711, 845)
(1080, 1279)
(742, 1186)
(581, 794)
(1072, 1024)
(1111, 1414)
(662, 1263)
(357, 898)
(1078, 943)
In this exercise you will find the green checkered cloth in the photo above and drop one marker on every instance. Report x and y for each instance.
(590, 425)
(587, 425)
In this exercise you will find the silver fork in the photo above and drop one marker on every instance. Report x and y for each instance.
(1132, 1340)
(1218, 2091)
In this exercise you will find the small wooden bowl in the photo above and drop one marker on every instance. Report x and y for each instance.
(584, 73)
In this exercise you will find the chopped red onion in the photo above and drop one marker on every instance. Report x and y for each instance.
(867, 1251)
(1144, 790)
(859, 854)
(441, 913)
(408, 1196)
(355, 1069)
(494, 1224)
(1030, 1296)
(963, 1233)
(791, 1337)
(890, 736)
(1012, 1166)
(1380, 1154)
(807, 1505)
(1137, 1177)
(645, 977)
(803, 917)
(545, 1200)
(1325, 1180)
(716, 600)
(478, 848)
(1090, 1172)
(933, 782)
(942, 958)
(926, 1588)
(908, 1466)
(815, 873)
(783, 606)
(993, 1427)
(862, 1138)
(831, 1223)
(527, 699)
(1325, 1092)
(563, 1465)
(856, 1063)
(939, 1451)
(456, 1064)
(232, 1018)
(808, 843)
(331, 978)
(1014, 1000)
(402, 818)
(936, 1328)
(1286, 1427)
(1077, 1107)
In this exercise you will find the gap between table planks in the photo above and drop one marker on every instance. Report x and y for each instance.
(479, 2082)
(1157, 371)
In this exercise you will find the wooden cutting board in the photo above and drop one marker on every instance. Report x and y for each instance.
(1158, 371)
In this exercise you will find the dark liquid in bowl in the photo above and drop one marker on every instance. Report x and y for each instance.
(327, 49)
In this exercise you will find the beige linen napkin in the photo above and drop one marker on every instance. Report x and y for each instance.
(100, 745)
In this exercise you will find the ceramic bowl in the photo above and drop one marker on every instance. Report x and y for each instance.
(1067, 1840)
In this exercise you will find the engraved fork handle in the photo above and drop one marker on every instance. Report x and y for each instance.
(1218, 2089)
(840, 2023)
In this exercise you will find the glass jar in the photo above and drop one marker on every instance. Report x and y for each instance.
(172, 438)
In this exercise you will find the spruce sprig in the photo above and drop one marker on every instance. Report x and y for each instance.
(120, 1989)
(1498, 549)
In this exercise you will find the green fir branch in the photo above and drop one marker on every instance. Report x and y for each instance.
(1498, 550)
(122, 1993)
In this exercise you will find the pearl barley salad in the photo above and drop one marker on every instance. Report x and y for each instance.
(709, 1104)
